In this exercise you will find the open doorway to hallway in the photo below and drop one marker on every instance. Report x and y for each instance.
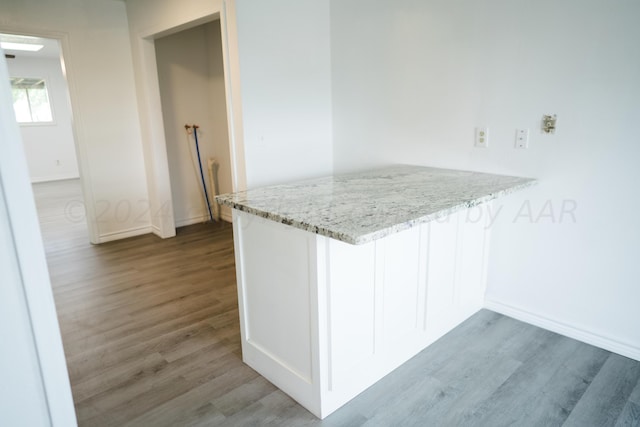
(41, 103)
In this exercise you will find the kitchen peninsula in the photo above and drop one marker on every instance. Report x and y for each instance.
(344, 278)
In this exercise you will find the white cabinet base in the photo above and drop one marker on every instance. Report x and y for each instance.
(323, 320)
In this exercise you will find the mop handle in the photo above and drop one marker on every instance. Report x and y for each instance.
(206, 195)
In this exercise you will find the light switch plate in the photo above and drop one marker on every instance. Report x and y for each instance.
(522, 138)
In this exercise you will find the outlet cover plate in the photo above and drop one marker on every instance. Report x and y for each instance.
(522, 138)
(482, 137)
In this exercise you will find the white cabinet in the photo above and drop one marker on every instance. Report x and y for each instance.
(323, 319)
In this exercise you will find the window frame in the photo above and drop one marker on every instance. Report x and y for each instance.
(47, 87)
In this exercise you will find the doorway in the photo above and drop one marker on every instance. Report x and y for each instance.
(192, 92)
(42, 108)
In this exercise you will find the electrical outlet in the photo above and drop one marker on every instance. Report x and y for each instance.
(522, 138)
(482, 137)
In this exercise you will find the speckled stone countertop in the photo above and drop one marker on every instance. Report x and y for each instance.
(361, 207)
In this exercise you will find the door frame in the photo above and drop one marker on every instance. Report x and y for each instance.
(76, 120)
(152, 123)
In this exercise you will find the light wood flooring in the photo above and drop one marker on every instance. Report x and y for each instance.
(151, 335)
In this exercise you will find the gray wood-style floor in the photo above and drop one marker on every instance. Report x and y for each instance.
(151, 335)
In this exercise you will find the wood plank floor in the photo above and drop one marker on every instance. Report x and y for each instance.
(151, 335)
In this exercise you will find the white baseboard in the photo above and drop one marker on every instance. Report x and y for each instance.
(199, 219)
(193, 220)
(117, 235)
(61, 177)
(565, 329)
(156, 230)
(226, 216)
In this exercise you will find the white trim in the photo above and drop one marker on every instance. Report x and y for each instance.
(52, 123)
(61, 177)
(226, 216)
(231, 62)
(563, 328)
(123, 234)
(81, 149)
(192, 220)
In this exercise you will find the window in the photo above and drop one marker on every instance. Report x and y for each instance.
(30, 100)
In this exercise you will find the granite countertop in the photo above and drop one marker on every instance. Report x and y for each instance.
(361, 207)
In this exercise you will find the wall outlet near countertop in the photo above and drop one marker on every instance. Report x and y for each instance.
(482, 137)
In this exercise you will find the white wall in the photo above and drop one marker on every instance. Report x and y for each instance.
(34, 384)
(285, 69)
(191, 77)
(411, 80)
(99, 67)
(50, 149)
(22, 396)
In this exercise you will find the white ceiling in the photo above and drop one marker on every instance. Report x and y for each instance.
(51, 47)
